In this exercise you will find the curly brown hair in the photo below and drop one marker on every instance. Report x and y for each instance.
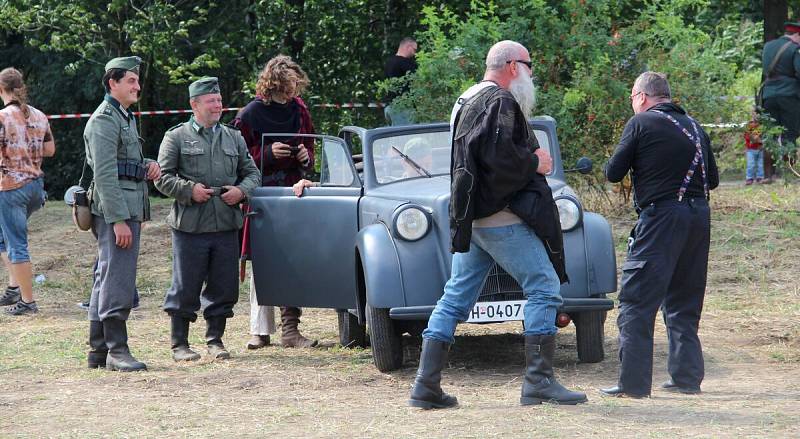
(276, 77)
(11, 82)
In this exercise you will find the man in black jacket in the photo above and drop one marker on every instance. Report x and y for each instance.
(498, 191)
(673, 169)
(396, 66)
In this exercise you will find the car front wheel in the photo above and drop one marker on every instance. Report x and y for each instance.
(387, 346)
(589, 332)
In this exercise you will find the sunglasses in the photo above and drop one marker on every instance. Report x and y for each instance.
(527, 63)
(637, 94)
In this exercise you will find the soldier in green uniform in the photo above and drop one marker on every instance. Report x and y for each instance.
(209, 172)
(781, 92)
(119, 206)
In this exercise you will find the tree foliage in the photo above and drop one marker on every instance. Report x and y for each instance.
(586, 54)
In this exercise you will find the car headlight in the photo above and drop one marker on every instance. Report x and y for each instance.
(570, 213)
(411, 223)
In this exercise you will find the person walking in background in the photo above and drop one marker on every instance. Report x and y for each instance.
(673, 169)
(781, 92)
(25, 139)
(754, 152)
(397, 66)
(207, 170)
(119, 207)
(277, 108)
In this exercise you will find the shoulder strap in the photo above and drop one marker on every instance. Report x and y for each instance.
(778, 57)
(86, 174)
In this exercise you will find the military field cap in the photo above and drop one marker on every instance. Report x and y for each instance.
(125, 63)
(792, 26)
(204, 86)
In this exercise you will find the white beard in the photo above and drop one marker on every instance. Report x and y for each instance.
(524, 92)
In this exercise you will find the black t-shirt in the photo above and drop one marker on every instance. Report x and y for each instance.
(396, 67)
(659, 155)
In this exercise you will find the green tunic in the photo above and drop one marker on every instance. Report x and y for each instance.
(785, 77)
(111, 135)
(215, 157)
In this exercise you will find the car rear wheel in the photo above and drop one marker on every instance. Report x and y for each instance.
(387, 346)
(590, 335)
(351, 333)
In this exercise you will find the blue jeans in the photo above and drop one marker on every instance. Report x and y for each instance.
(16, 206)
(518, 250)
(755, 163)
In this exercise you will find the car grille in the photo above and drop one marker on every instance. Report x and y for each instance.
(500, 286)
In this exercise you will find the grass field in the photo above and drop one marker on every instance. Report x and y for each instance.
(750, 331)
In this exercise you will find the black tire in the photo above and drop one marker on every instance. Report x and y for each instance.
(590, 334)
(351, 334)
(387, 345)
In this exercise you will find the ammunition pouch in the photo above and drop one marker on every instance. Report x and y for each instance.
(133, 170)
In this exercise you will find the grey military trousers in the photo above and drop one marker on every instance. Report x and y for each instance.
(204, 258)
(114, 285)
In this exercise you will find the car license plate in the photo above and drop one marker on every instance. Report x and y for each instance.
(497, 311)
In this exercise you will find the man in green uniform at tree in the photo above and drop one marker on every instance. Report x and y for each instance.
(781, 92)
(208, 170)
(119, 206)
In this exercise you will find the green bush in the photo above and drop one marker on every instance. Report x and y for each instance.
(586, 56)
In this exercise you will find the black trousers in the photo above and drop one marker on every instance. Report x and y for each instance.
(666, 268)
(786, 111)
(203, 258)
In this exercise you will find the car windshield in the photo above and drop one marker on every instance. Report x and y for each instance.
(417, 155)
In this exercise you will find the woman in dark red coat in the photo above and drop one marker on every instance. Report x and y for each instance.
(277, 108)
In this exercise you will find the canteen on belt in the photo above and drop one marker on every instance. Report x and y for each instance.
(77, 197)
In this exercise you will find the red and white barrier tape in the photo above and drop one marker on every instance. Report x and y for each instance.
(346, 105)
(160, 112)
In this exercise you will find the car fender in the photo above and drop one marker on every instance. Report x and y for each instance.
(381, 266)
(600, 255)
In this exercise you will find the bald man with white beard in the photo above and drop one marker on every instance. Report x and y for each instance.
(501, 210)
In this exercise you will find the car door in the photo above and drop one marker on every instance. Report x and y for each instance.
(303, 248)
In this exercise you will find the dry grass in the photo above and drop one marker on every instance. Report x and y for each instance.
(749, 330)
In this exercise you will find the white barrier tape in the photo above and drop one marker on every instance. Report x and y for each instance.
(723, 125)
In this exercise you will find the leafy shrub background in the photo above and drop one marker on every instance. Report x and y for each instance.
(586, 55)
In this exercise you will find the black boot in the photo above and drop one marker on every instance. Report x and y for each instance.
(119, 356)
(97, 342)
(427, 392)
(539, 384)
(180, 340)
(215, 329)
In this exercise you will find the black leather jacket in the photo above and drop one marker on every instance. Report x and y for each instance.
(493, 167)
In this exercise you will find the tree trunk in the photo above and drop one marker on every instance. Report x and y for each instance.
(295, 29)
(776, 12)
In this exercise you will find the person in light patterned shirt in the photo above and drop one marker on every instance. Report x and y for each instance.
(25, 139)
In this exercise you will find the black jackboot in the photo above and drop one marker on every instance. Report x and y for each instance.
(427, 392)
(180, 340)
(97, 342)
(215, 329)
(119, 356)
(539, 384)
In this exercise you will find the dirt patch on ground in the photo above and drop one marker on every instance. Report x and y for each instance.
(749, 330)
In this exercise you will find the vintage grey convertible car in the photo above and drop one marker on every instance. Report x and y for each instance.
(372, 242)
